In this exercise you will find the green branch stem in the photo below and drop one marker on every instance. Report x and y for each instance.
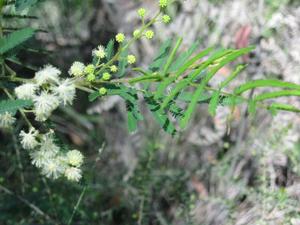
(116, 56)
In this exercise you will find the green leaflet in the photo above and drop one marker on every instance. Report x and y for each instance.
(17, 16)
(12, 106)
(15, 39)
(161, 88)
(110, 49)
(252, 108)
(183, 57)
(174, 93)
(191, 107)
(184, 83)
(232, 76)
(132, 122)
(131, 99)
(159, 115)
(265, 83)
(285, 107)
(201, 66)
(276, 94)
(93, 96)
(175, 111)
(232, 101)
(151, 77)
(133, 115)
(122, 62)
(187, 97)
(172, 55)
(161, 57)
(23, 4)
(213, 104)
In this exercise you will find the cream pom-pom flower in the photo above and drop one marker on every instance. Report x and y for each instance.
(28, 140)
(48, 145)
(26, 91)
(39, 158)
(44, 105)
(6, 120)
(77, 69)
(53, 168)
(48, 74)
(99, 52)
(75, 158)
(73, 174)
(65, 91)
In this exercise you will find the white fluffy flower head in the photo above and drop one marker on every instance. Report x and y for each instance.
(73, 174)
(48, 150)
(65, 91)
(26, 91)
(99, 52)
(44, 105)
(48, 74)
(77, 69)
(48, 145)
(75, 158)
(53, 168)
(39, 158)
(28, 140)
(6, 120)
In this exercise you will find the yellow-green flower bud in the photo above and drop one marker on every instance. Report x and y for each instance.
(149, 34)
(131, 59)
(120, 37)
(166, 18)
(91, 77)
(136, 33)
(89, 69)
(103, 91)
(142, 12)
(113, 68)
(163, 3)
(106, 76)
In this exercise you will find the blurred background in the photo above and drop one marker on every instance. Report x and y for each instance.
(229, 169)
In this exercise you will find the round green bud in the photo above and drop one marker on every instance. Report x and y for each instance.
(120, 37)
(106, 76)
(149, 34)
(89, 69)
(103, 91)
(163, 3)
(131, 59)
(136, 33)
(113, 68)
(166, 18)
(142, 12)
(91, 77)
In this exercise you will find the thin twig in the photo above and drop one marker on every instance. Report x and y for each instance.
(77, 205)
(20, 165)
(141, 211)
(29, 204)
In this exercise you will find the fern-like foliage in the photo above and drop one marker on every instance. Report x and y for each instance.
(15, 39)
(176, 79)
(173, 85)
(12, 106)
(23, 4)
